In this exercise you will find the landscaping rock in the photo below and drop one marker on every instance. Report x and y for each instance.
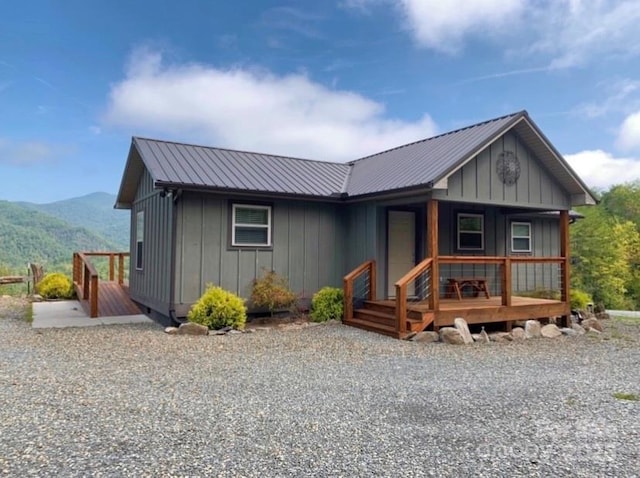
(191, 328)
(550, 331)
(218, 332)
(451, 335)
(569, 332)
(462, 327)
(532, 329)
(501, 337)
(426, 337)
(593, 331)
(592, 324)
(517, 333)
(578, 329)
(171, 330)
(482, 337)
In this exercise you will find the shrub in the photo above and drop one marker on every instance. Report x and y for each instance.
(579, 299)
(327, 304)
(541, 294)
(218, 308)
(56, 286)
(272, 291)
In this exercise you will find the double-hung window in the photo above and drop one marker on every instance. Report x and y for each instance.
(520, 237)
(470, 232)
(251, 225)
(139, 239)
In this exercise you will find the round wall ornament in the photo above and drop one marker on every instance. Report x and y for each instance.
(508, 167)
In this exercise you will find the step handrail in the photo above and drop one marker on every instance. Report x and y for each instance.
(401, 293)
(367, 266)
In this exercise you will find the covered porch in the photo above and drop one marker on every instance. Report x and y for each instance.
(479, 288)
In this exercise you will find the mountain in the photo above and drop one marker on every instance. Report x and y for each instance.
(27, 235)
(93, 212)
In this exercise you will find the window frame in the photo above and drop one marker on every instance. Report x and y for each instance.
(459, 231)
(140, 240)
(529, 237)
(268, 226)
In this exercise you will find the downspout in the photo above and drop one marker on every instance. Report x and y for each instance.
(172, 266)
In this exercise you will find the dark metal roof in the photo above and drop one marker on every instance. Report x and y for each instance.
(198, 166)
(424, 162)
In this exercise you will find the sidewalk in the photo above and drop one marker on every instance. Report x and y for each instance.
(69, 313)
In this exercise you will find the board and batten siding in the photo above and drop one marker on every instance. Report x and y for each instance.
(307, 247)
(151, 286)
(478, 181)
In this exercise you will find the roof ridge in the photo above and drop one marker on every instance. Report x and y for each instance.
(239, 151)
(475, 125)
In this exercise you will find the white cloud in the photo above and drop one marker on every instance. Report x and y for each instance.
(26, 154)
(600, 169)
(629, 135)
(254, 109)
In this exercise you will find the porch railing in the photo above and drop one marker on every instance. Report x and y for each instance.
(360, 283)
(421, 278)
(86, 277)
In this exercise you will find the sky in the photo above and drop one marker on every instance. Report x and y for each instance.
(327, 80)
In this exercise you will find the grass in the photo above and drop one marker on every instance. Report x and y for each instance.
(627, 396)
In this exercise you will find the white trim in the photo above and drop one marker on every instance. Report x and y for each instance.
(234, 224)
(481, 232)
(529, 237)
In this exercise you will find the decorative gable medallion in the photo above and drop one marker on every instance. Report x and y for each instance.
(508, 167)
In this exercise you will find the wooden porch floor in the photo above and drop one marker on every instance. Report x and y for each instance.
(473, 303)
(113, 300)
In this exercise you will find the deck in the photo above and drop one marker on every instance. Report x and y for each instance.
(113, 301)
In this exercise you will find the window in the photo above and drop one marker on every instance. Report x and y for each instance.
(139, 239)
(251, 226)
(520, 237)
(470, 232)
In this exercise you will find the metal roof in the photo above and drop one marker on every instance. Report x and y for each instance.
(198, 166)
(424, 162)
(421, 164)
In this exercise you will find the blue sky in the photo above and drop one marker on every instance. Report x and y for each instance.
(324, 80)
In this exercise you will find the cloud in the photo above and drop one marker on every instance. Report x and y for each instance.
(254, 109)
(600, 169)
(621, 96)
(27, 154)
(629, 135)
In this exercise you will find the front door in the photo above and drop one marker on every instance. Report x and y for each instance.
(401, 248)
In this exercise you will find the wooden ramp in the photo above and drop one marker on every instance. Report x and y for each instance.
(113, 300)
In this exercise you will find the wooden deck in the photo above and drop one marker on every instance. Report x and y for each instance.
(113, 300)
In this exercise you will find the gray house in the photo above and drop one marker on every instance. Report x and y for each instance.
(458, 224)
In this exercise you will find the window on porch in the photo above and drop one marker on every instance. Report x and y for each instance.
(520, 237)
(470, 232)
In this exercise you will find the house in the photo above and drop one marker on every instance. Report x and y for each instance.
(463, 224)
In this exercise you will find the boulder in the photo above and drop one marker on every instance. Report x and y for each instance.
(482, 337)
(569, 332)
(592, 324)
(462, 327)
(427, 337)
(191, 328)
(451, 335)
(578, 329)
(593, 331)
(531, 329)
(501, 337)
(518, 333)
(171, 330)
(550, 331)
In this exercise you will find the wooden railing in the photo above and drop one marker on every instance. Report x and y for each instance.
(368, 267)
(85, 275)
(401, 293)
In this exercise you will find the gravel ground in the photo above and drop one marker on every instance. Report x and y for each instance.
(326, 400)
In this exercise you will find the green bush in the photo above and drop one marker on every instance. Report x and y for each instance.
(579, 299)
(218, 308)
(272, 292)
(541, 294)
(327, 304)
(56, 286)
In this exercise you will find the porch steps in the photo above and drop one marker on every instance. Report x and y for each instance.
(380, 318)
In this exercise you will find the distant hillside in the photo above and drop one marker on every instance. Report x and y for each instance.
(93, 212)
(29, 235)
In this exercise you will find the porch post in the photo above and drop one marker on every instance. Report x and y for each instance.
(565, 251)
(432, 251)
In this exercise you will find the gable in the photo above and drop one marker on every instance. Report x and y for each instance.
(478, 180)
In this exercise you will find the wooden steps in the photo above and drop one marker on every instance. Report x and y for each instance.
(379, 317)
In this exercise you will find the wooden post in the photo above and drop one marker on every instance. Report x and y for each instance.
(432, 251)
(348, 299)
(111, 267)
(85, 286)
(506, 282)
(372, 281)
(401, 309)
(94, 296)
(565, 252)
(120, 268)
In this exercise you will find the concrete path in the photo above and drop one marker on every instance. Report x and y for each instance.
(69, 313)
(624, 313)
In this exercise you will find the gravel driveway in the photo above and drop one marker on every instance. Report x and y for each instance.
(327, 400)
